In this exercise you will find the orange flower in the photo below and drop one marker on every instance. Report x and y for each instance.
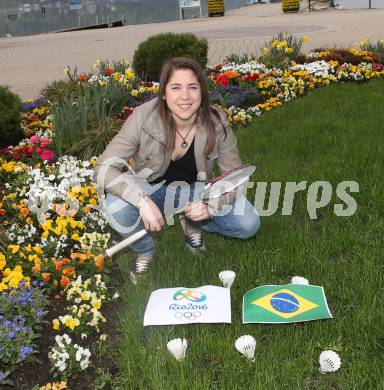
(231, 74)
(2, 212)
(24, 212)
(29, 221)
(36, 267)
(46, 276)
(66, 260)
(68, 271)
(64, 281)
(99, 262)
(86, 209)
(58, 265)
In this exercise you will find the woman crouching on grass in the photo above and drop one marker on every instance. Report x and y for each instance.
(174, 141)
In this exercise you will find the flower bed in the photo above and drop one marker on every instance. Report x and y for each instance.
(55, 232)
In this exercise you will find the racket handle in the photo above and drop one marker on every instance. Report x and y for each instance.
(127, 241)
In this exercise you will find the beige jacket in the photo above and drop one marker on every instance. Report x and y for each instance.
(142, 138)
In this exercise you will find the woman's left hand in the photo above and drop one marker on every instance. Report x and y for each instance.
(197, 211)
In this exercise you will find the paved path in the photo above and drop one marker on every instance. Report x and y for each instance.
(28, 63)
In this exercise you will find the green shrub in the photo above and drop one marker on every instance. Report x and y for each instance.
(10, 118)
(153, 52)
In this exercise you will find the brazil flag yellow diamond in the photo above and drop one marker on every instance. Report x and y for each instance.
(287, 303)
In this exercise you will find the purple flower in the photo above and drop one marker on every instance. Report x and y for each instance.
(2, 376)
(11, 335)
(24, 352)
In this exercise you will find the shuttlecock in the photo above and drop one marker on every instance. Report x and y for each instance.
(177, 348)
(246, 346)
(329, 361)
(227, 277)
(299, 280)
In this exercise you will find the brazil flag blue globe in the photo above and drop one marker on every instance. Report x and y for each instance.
(284, 303)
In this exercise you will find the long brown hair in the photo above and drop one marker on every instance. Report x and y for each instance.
(205, 112)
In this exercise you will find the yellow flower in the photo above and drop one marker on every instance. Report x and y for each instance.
(96, 304)
(85, 296)
(56, 324)
(134, 92)
(116, 76)
(2, 261)
(289, 50)
(305, 38)
(129, 75)
(93, 201)
(75, 236)
(14, 248)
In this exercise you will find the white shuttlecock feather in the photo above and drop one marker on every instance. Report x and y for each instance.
(177, 347)
(227, 277)
(329, 361)
(246, 346)
(299, 280)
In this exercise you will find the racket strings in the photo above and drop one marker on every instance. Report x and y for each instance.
(217, 178)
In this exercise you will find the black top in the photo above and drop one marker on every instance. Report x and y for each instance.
(183, 169)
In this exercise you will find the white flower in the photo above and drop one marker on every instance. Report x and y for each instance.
(84, 364)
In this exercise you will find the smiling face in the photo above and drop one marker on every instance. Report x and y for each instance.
(183, 96)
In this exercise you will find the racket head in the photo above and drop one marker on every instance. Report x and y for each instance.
(227, 182)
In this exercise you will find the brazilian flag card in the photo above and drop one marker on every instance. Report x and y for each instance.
(274, 304)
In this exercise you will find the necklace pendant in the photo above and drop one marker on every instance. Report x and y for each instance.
(184, 144)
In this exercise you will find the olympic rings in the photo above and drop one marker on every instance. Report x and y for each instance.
(188, 315)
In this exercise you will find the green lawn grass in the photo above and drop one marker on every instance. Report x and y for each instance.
(334, 134)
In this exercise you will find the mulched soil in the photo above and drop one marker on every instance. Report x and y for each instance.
(29, 375)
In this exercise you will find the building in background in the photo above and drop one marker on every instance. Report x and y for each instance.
(18, 17)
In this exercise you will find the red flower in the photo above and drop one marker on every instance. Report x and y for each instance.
(222, 79)
(47, 155)
(64, 281)
(108, 71)
(82, 77)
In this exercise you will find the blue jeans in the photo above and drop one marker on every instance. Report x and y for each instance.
(242, 221)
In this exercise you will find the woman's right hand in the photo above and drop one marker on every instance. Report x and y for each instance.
(151, 215)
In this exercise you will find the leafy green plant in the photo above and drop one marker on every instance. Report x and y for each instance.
(281, 51)
(239, 58)
(10, 118)
(84, 127)
(56, 91)
(153, 52)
